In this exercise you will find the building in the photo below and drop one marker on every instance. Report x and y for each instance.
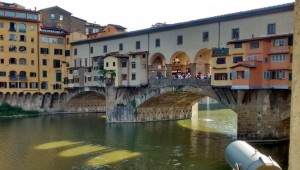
(188, 47)
(110, 29)
(19, 39)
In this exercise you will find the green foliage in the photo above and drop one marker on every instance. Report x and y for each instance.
(8, 110)
(107, 73)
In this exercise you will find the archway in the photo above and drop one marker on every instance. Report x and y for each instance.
(88, 101)
(21, 99)
(2, 97)
(14, 99)
(181, 64)
(203, 62)
(157, 67)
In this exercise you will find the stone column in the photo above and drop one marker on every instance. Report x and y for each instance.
(193, 70)
(294, 153)
(169, 70)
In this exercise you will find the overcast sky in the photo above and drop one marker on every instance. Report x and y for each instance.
(139, 14)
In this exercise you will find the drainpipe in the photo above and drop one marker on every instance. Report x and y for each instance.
(38, 59)
(219, 36)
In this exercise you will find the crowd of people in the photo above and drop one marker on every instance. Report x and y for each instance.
(186, 76)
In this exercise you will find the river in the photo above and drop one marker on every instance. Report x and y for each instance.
(85, 141)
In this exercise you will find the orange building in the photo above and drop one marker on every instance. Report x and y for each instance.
(264, 63)
(110, 29)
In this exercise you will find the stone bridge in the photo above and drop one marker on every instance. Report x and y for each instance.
(262, 114)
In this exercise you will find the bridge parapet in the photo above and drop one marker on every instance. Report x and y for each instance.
(179, 82)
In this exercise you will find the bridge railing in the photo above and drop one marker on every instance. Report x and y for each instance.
(179, 82)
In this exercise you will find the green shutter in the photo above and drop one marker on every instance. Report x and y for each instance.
(233, 75)
(247, 74)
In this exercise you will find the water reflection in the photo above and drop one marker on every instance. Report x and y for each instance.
(85, 141)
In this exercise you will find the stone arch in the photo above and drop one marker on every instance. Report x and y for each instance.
(21, 99)
(2, 97)
(14, 99)
(55, 100)
(28, 99)
(203, 61)
(7, 98)
(37, 99)
(181, 63)
(157, 67)
(87, 101)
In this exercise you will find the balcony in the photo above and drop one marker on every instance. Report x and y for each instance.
(13, 78)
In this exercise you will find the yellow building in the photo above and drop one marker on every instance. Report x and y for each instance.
(221, 62)
(52, 59)
(19, 29)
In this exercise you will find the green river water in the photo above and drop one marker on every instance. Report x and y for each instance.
(85, 141)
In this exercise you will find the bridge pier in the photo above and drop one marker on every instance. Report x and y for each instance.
(263, 114)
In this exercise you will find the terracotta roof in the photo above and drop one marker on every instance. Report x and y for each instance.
(118, 26)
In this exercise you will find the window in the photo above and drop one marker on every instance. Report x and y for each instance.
(291, 58)
(221, 61)
(1, 24)
(124, 76)
(44, 85)
(279, 42)
(205, 36)
(44, 73)
(32, 50)
(33, 16)
(254, 45)
(44, 62)
(22, 61)
(278, 75)
(278, 58)
(60, 41)
(107, 64)
(124, 64)
(1, 37)
(91, 50)
(133, 76)
(68, 41)
(1, 48)
(44, 51)
(237, 59)
(21, 15)
(252, 58)
(22, 49)
(12, 61)
(58, 52)
(267, 75)
(22, 38)
(13, 85)
(290, 76)
(137, 45)
(1, 61)
(105, 49)
(220, 76)
(52, 16)
(67, 53)
(266, 59)
(12, 48)
(235, 33)
(61, 17)
(22, 28)
(52, 40)
(157, 42)
(12, 27)
(120, 47)
(114, 64)
(238, 45)
(179, 40)
(133, 65)
(10, 14)
(2, 73)
(33, 85)
(32, 62)
(3, 85)
(12, 37)
(32, 74)
(44, 39)
(75, 51)
(32, 39)
(271, 28)
(58, 76)
(1, 13)
(85, 62)
(23, 75)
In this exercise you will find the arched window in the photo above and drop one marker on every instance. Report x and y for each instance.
(22, 75)
(12, 48)
(44, 85)
(22, 49)
(22, 61)
(12, 61)
(13, 75)
(22, 28)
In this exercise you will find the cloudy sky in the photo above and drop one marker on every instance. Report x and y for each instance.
(139, 14)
